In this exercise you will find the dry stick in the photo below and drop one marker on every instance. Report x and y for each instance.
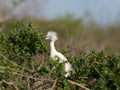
(40, 65)
(26, 76)
(80, 85)
(10, 83)
(31, 77)
(82, 34)
(42, 62)
(1, 82)
(41, 79)
(15, 63)
(3, 67)
(37, 84)
(97, 71)
(28, 83)
(54, 84)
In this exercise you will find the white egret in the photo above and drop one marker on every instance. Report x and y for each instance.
(55, 55)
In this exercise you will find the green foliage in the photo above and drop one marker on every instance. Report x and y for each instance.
(98, 70)
(24, 42)
(2, 41)
(21, 69)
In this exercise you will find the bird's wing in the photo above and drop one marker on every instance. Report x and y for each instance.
(61, 57)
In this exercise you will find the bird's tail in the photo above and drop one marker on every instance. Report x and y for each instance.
(68, 69)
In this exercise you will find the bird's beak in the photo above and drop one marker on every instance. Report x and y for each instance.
(46, 38)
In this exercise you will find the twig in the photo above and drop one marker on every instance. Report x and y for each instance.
(40, 65)
(15, 63)
(28, 83)
(54, 84)
(80, 85)
(37, 84)
(97, 71)
(0, 81)
(31, 77)
(10, 83)
(27, 76)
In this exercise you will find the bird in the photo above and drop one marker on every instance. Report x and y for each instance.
(55, 55)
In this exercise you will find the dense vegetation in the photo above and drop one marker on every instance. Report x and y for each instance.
(25, 63)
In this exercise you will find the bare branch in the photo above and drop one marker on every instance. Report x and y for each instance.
(10, 83)
(80, 85)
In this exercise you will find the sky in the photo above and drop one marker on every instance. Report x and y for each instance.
(104, 11)
(100, 10)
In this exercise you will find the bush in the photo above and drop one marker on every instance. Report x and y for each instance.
(100, 71)
(19, 71)
(24, 42)
(2, 42)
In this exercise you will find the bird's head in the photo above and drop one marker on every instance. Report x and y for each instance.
(51, 35)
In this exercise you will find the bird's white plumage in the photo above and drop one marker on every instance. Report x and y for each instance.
(55, 55)
(52, 36)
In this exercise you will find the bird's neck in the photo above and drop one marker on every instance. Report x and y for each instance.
(52, 46)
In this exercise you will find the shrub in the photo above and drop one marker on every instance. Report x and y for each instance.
(2, 42)
(23, 42)
(96, 71)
